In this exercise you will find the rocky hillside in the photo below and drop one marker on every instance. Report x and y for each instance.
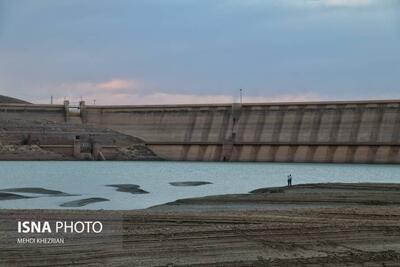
(30, 140)
(43, 132)
(11, 100)
(29, 152)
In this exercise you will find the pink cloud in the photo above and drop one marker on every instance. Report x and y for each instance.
(132, 92)
(117, 84)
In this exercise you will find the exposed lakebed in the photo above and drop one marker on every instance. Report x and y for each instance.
(129, 188)
(36, 190)
(83, 202)
(189, 183)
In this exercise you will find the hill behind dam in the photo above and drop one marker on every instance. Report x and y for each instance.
(7, 99)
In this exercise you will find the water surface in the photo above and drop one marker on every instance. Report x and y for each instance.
(89, 179)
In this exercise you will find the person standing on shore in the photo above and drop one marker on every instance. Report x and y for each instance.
(289, 180)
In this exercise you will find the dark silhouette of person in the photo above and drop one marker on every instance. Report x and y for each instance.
(289, 180)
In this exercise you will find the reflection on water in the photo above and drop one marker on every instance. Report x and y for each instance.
(89, 180)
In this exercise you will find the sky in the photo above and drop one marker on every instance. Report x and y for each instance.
(203, 51)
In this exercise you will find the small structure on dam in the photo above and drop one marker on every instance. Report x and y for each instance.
(342, 132)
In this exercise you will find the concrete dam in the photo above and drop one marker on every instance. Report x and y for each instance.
(338, 132)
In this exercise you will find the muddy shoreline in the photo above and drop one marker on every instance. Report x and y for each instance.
(307, 225)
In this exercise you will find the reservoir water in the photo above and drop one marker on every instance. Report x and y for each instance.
(89, 179)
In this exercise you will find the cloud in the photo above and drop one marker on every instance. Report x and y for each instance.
(133, 92)
(117, 84)
(90, 90)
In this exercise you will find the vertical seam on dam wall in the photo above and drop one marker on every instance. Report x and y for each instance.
(274, 150)
(208, 122)
(236, 152)
(278, 125)
(257, 149)
(396, 132)
(225, 126)
(310, 153)
(259, 126)
(315, 125)
(207, 125)
(236, 115)
(392, 154)
(189, 131)
(350, 154)
(356, 124)
(161, 118)
(201, 152)
(218, 153)
(337, 119)
(378, 123)
(259, 132)
(297, 125)
(192, 123)
(373, 151)
(291, 152)
(242, 122)
(331, 153)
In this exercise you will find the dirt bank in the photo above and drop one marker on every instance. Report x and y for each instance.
(29, 152)
(328, 194)
(315, 235)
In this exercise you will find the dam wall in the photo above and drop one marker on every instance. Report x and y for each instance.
(32, 112)
(342, 132)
